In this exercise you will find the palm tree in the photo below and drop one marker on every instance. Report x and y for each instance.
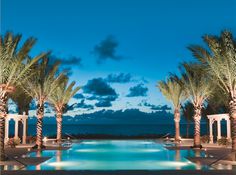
(22, 100)
(220, 61)
(41, 87)
(15, 68)
(173, 92)
(197, 88)
(59, 99)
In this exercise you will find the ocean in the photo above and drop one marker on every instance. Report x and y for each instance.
(119, 129)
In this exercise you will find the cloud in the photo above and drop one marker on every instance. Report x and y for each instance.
(101, 91)
(83, 105)
(155, 107)
(69, 61)
(103, 103)
(79, 96)
(66, 63)
(99, 87)
(119, 78)
(72, 61)
(106, 49)
(137, 91)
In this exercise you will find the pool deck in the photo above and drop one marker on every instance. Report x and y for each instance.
(17, 155)
(216, 154)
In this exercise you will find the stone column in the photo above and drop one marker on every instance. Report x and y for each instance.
(16, 129)
(210, 128)
(24, 131)
(218, 129)
(6, 130)
(228, 130)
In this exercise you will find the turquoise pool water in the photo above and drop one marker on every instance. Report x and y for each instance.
(117, 155)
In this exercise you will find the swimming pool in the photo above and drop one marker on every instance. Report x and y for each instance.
(117, 155)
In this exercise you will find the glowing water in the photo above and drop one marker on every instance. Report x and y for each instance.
(117, 155)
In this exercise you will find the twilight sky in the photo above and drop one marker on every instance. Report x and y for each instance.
(118, 49)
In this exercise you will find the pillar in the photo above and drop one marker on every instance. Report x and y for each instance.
(228, 130)
(24, 131)
(6, 138)
(210, 128)
(218, 129)
(16, 129)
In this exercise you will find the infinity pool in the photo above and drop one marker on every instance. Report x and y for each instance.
(117, 155)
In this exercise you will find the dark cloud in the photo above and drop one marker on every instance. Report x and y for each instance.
(137, 91)
(106, 49)
(103, 103)
(69, 61)
(79, 96)
(119, 78)
(101, 91)
(72, 61)
(155, 107)
(83, 105)
(66, 63)
(99, 87)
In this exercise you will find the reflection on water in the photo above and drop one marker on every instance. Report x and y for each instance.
(58, 159)
(38, 154)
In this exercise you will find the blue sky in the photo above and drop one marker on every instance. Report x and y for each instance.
(142, 40)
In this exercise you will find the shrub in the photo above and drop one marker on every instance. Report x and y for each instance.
(223, 141)
(12, 142)
(205, 139)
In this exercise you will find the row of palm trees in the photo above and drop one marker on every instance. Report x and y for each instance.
(211, 76)
(24, 78)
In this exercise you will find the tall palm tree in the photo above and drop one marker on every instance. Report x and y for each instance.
(173, 92)
(220, 60)
(59, 99)
(197, 88)
(40, 87)
(15, 68)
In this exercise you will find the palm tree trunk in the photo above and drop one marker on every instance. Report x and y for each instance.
(59, 126)
(232, 115)
(3, 114)
(177, 119)
(39, 136)
(197, 119)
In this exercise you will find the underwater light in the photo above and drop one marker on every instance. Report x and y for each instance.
(88, 150)
(150, 150)
(173, 164)
(63, 164)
